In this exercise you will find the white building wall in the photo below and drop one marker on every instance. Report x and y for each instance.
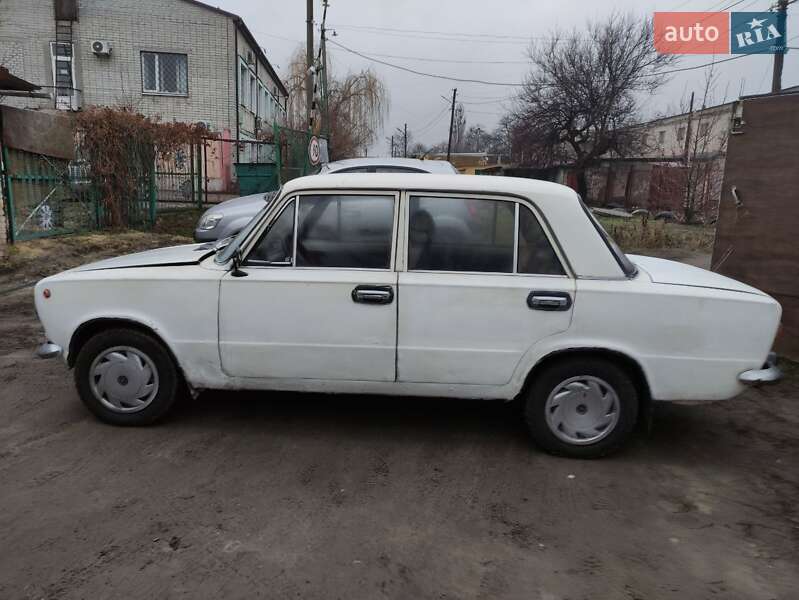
(208, 38)
(718, 119)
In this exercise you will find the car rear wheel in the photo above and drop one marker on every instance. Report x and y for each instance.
(582, 407)
(126, 377)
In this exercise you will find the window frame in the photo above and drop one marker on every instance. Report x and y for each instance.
(272, 217)
(157, 53)
(518, 201)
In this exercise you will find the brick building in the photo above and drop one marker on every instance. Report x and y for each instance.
(179, 60)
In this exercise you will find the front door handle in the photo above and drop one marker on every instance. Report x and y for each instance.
(550, 301)
(373, 294)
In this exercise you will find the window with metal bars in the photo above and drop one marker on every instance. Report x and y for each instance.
(164, 73)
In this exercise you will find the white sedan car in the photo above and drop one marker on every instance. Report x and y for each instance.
(424, 285)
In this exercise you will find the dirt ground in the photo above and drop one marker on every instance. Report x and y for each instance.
(308, 496)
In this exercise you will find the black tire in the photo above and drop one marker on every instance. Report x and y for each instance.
(595, 368)
(168, 378)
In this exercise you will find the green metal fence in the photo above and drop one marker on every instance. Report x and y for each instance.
(46, 196)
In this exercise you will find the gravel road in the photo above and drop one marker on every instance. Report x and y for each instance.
(310, 496)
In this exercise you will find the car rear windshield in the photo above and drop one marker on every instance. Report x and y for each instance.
(629, 268)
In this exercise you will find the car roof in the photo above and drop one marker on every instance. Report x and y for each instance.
(428, 166)
(587, 252)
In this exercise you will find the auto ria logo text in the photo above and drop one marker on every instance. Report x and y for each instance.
(720, 32)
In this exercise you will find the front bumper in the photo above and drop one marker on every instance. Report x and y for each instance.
(770, 372)
(48, 350)
(206, 235)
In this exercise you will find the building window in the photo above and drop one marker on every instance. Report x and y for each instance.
(243, 84)
(681, 134)
(661, 137)
(164, 73)
(703, 129)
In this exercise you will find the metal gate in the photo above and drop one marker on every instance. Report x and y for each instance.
(46, 196)
(178, 179)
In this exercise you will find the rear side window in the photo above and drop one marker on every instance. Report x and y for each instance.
(536, 255)
(345, 231)
(460, 234)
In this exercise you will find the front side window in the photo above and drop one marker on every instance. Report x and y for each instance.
(276, 246)
(345, 231)
(164, 73)
(459, 234)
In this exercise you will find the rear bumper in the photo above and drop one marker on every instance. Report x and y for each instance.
(48, 350)
(768, 374)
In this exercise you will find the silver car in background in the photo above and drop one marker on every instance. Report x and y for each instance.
(228, 218)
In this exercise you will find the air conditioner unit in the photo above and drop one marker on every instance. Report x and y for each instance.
(101, 48)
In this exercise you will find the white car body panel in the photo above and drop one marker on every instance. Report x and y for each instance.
(467, 335)
(319, 332)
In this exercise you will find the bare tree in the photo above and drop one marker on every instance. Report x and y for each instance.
(705, 143)
(458, 128)
(580, 97)
(356, 108)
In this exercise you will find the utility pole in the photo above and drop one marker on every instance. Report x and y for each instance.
(405, 141)
(324, 109)
(779, 57)
(451, 122)
(309, 63)
(392, 146)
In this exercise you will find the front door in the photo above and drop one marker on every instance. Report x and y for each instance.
(483, 284)
(319, 299)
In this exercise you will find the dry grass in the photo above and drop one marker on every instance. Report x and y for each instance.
(635, 234)
(33, 259)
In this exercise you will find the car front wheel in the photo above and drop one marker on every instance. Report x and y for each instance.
(126, 377)
(583, 407)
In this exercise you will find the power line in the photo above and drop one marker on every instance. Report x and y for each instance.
(415, 72)
(428, 32)
(454, 61)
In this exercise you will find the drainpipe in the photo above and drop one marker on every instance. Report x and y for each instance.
(236, 70)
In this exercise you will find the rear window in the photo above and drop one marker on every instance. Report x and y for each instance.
(630, 270)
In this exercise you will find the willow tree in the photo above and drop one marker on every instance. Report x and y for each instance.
(353, 115)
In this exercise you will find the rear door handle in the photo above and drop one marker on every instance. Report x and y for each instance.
(550, 301)
(373, 294)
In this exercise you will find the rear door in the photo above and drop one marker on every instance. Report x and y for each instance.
(482, 283)
(319, 297)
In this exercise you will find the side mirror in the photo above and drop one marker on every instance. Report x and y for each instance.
(236, 271)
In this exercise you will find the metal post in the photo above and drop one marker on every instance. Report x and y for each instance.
(8, 195)
(191, 172)
(153, 195)
(779, 57)
(205, 170)
(405, 141)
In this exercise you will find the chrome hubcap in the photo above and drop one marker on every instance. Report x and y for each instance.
(124, 379)
(582, 410)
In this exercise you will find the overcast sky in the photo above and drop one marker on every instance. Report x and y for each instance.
(494, 51)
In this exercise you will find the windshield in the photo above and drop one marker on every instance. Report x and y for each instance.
(625, 263)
